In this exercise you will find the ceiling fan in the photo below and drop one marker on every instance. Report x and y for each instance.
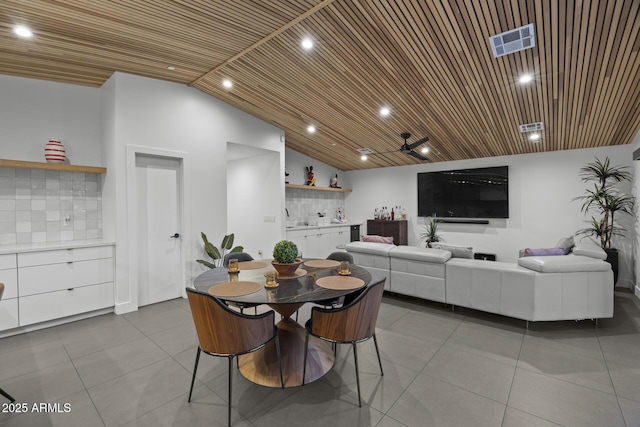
(407, 148)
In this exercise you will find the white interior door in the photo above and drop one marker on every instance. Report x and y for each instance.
(158, 207)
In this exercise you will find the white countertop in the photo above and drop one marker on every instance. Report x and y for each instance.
(313, 227)
(44, 246)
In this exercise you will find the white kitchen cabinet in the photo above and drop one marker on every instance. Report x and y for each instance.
(43, 285)
(299, 237)
(319, 242)
(340, 238)
(9, 303)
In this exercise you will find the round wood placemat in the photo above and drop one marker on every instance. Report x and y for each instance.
(234, 289)
(340, 283)
(322, 263)
(251, 265)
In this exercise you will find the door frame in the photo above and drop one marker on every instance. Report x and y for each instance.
(184, 200)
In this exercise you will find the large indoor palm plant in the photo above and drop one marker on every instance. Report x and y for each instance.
(607, 202)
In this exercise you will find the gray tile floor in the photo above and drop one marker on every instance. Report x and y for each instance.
(442, 368)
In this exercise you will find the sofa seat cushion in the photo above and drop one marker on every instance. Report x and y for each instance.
(416, 253)
(369, 248)
(563, 264)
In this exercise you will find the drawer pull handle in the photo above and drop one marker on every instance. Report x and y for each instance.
(69, 262)
(70, 289)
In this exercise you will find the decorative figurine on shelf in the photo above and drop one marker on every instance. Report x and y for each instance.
(333, 181)
(311, 181)
(286, 174)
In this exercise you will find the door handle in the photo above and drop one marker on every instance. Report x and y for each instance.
(175, 236)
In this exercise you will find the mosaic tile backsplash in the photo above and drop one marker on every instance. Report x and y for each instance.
(39, 206)
(302, 203)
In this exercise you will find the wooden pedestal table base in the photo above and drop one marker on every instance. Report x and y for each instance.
(261, 366)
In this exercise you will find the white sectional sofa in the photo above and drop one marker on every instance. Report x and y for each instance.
(541, 288)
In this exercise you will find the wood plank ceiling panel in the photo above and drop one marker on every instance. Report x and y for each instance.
(429, 61)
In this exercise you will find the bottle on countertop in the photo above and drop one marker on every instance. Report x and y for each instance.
(393, 215)
(376, 214)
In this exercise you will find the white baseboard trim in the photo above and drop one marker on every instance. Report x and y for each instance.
(55, 322)
(125, 307)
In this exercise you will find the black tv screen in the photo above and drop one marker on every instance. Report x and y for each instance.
(464, 193)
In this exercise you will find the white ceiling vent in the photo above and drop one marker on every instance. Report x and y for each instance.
(365, 151)
(531, 127)
(513, 41)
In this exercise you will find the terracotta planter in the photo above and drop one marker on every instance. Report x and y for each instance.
(286, 270)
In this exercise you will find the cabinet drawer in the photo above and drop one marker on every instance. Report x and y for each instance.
(55, 277)
(8, 314)
(54, 305)
(28, 259)
(10, 279)
(7, 261)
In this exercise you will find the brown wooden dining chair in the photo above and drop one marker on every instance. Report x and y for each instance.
(227, 333)
(353, 323)
(2, 392)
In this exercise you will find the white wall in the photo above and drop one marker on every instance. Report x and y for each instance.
(297, 162)
(541, 189)
(251, 204)
(34, 111)
(170, 116)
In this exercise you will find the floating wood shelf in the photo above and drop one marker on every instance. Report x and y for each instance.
(309, 187)
(51, 166)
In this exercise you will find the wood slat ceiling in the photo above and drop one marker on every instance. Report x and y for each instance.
(430, 61)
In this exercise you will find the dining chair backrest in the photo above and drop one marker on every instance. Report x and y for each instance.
(222, 331)
(353, 322)
(341, 256)
(240, 256)
(1, 289)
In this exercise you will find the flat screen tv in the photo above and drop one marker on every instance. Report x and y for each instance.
(464, 193)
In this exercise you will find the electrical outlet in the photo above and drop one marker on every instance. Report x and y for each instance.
(67, 220)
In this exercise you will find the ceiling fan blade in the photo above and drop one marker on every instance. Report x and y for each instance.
(418, 143)
(416, 155)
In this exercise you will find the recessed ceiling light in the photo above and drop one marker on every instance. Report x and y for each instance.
(534, 137)
(425, 150)
(171, 67)
(384, 111)
(307, 43)
(525, 78)
(363, 157)
(22, 31)
(311, 128)
(227, 83)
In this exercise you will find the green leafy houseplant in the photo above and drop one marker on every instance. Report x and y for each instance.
(285, 252)
(605, 200)
(431, 233)
(218, 254)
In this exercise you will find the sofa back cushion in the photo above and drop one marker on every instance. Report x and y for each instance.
(456, 251)
(563, 264)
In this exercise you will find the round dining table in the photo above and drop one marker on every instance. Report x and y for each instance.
(261, 366)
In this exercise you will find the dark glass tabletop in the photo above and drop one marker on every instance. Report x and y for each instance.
(289, 291)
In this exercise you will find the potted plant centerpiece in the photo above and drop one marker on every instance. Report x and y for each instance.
(285, 258)
(606, 201)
